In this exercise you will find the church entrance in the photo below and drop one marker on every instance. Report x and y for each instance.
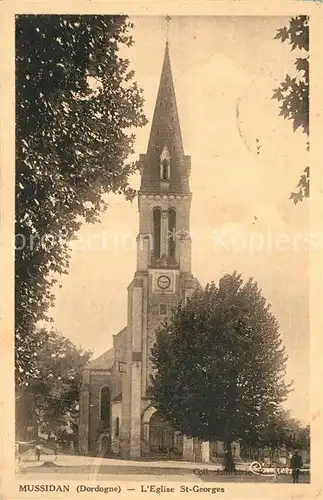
(104, 445)
(161, 435)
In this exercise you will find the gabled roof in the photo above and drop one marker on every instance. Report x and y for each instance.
(117, 398)
(103, 362)
(121, 332)
(106, 360)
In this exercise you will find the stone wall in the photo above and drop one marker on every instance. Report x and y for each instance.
(217, 449)
(118, 368)
(116, 413)
(83, 430)
(155, 318)
(98, 379)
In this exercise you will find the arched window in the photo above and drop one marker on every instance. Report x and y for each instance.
(105, 404)
(172, 233)
(165, 164)
(165, 170)
(117, 427)
(157, 229)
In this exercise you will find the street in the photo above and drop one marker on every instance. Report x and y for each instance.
(75, 468)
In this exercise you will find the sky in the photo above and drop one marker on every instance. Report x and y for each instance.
(224, 70)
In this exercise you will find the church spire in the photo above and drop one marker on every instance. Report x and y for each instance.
(165, 167)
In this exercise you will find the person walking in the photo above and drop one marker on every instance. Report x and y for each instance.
(37, 451)
(296, 464)
(17, 452)
(56, 449)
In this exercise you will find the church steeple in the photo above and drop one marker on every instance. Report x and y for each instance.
(164, 197)
(165, 168)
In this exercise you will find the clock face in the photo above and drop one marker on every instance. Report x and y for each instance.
(163, 282)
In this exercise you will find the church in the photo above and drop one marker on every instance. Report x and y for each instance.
(116, 416)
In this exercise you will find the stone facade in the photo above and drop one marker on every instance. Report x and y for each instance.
(131, 427)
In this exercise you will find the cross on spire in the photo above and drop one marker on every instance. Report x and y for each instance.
(168, 18)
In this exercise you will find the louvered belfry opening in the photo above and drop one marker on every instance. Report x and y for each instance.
(157, 230)
(172, 233)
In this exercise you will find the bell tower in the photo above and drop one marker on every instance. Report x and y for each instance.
(164, 196)
(163, 273)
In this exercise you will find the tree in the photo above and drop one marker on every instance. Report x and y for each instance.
(52, 398)
(304, 439)
(293, 433)
(219, 364)
(283, 430)
(76, 104)
(293, 93)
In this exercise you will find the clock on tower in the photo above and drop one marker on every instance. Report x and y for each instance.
(163, 281)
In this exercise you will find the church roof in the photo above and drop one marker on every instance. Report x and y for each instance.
(117, 398)
(103, 362)
(121, 332)
(165, 135)
(106, 360)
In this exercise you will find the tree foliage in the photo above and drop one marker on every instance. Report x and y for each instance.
(293, 92)
(220, 364)
(282, 434)
(283, 430)
(76, 103)
(53, 395)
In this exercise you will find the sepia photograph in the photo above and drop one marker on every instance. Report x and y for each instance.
(162, 253)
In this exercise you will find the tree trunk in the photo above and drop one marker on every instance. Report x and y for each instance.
(228, 457)
(272, 454)
(21, 416)
(34, 433)
(257, 454)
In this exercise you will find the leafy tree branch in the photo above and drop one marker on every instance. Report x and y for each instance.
(293, 92)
